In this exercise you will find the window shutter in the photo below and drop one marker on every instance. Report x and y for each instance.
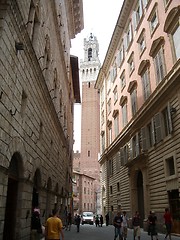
(153, 132)
(134, 21)
(118, 59)
(131, 149)
(169, 117)
(125, 42)
(143, 138)
(137, 145)
(122, 156)
(140, 8)
(158, 132)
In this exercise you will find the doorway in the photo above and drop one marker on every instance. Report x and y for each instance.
(11, 219)
(140, 196)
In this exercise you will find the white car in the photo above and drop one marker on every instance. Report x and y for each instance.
(87, 217)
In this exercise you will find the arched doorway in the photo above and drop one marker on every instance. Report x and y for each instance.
(140, 196)
(36, 187)
(10, 223)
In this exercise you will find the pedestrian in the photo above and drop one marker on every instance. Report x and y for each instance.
(149, 222)
(77, 222)
(124, 225)
(53, 228)
(117, 225)
(168, 222)
(97, 221)
(66, 217)
(152, 219)
(107, 219)
(36, 227)
(69, 221)
(136, 225)
(101, 220)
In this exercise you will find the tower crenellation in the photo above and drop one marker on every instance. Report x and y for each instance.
(90, 65)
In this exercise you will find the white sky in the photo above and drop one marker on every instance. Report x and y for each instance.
(100, 17)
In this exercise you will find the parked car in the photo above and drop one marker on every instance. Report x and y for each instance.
(87, 217)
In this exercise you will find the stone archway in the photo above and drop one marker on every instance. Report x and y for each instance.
(36, 187)
(15, 171)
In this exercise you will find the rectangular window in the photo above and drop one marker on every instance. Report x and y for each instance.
(109, 106)
(129, 34)
(102, 96)
(153, 19)
(118, 187)
(135, 146)
(110, 168)
(111, 190)
(141, 42)
(146, 84)
(170, 166)
(137, 14)
(110, 134)
(120, 55)
(102, 117)
(176, 42)
(167, 120)
(117, 157)
(134, 101)
(103, 142)
(159, 66)
(124, 154)
(115, 95)
(124, 115)
(122, 80)
(89, 153)
(131, 63)
(116, 125)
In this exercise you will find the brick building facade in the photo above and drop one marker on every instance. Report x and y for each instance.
(87, 163)
(38, 86)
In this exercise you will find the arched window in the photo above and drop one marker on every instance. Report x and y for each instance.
(89, 54)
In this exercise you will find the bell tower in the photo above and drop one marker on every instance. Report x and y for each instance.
(90, 127)
(89, 67)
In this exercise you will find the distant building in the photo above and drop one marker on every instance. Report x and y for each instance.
(139, 85)
(87, 161)
(83, 193)
(39, 84)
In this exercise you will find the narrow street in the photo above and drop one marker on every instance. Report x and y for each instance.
(89, 232)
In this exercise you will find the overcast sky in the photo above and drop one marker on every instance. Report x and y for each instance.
(100, 17)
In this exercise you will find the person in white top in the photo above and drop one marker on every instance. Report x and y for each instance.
(124, 225)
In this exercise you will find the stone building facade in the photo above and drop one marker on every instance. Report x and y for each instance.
(139, 85)
(39, 83)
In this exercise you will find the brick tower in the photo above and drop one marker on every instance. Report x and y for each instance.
(90, 127)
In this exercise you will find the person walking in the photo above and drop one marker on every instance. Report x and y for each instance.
(101, 220)
(36, 227)
(152, 219)
(117, 225)
(97, 220)
(168, 223)
(124, 225)
(136, 225)
(107, 219)
(77, 222)
(53, 228)
(69, 221)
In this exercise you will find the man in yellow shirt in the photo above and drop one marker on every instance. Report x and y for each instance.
(53, 229)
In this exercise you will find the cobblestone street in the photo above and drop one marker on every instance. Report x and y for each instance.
(88, 232)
